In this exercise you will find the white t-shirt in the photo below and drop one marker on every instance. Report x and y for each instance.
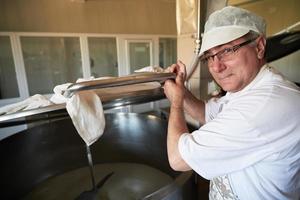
(250, 146)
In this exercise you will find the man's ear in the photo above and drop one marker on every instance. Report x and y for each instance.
(261, 47)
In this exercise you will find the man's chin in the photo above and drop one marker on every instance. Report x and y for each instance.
(228, 87)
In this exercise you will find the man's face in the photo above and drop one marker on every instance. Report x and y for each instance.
(237, 70)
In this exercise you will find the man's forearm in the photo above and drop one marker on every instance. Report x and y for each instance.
(177, 126)
(194, 107)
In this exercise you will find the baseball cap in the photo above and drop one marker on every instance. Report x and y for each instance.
(228, 24)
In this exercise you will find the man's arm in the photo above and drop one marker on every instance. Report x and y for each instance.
(194, 107)
(176, 127)
(175, 92)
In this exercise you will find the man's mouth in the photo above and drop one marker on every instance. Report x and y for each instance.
(225, 77)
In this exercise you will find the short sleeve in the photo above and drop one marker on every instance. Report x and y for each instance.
(212, 108)
(225, 144)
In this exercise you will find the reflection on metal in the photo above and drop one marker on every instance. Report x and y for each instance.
(164, 192)
(290, 39)
(18, 115)
(281, 45)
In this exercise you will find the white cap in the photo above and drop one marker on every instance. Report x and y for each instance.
(228, 24)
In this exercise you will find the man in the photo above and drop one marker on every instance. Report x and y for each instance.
(249, 144)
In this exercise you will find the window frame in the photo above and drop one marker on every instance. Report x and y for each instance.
(16, 46)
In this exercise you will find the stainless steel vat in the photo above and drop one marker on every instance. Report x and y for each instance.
(54, 147)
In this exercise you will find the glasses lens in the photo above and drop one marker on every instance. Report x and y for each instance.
(225, 54)
(203, 60)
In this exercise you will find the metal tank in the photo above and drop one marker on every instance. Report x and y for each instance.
(53, 148)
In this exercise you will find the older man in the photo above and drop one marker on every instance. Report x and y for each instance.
(249, 144)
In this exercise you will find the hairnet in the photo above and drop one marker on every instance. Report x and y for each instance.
(228, 24)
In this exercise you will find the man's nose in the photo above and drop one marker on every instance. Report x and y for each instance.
(217, 66)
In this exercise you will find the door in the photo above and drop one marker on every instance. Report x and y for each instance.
(139, 54)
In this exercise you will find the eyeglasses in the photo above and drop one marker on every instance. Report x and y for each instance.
(226, 53)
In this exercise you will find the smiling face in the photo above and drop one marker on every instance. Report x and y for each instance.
(236, 71)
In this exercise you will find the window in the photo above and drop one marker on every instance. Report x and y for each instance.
(103, 57)
(140, 54)
(8, 80)
(34, 63)
(50, 61)
(167, 51)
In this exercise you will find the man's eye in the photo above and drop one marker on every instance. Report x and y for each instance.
(206, 58)
(229, 50)
(209, 58)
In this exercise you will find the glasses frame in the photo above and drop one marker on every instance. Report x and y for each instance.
(229, 51)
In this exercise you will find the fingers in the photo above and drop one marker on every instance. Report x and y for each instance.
(171, 68)
(180, 79)
(169, 84)
(181, 68)
(178, 67)
(174, 91)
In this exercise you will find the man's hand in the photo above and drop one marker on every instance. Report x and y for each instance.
(175, 90)
(177, 68)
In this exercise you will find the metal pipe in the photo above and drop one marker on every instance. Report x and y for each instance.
(109, 99)
(108, 102)
(288, 29)
(198, 23)
(119, 81)
(195, 59)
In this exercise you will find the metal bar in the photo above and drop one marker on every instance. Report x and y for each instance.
(119, 81)
(109, 100)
